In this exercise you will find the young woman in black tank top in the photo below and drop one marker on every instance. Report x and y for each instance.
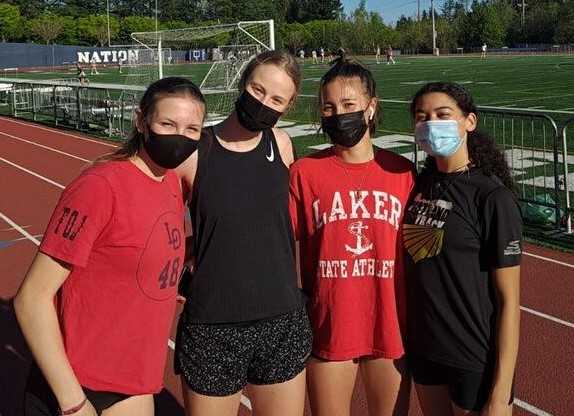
(244, 319)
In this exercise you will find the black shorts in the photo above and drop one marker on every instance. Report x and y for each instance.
(220, 359)
(469, 390)
(39, 400)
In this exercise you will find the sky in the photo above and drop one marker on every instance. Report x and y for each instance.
(391, 10)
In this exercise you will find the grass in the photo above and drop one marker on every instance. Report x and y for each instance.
(542, 83)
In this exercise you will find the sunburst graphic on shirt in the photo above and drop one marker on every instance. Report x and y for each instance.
(422, 241)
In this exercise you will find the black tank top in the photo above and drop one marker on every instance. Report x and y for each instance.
(243, 238)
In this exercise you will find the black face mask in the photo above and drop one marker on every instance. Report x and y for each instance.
(169, 150)
(345, 129)
(253, 114)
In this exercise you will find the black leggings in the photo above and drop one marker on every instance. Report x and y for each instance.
(39, 400)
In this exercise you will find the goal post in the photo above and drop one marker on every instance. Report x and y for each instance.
(213, 57)
(197, 44)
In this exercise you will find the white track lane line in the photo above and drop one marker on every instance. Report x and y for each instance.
(532, 311)
(244, 400)
(62, 187)
(549, 317)
(51, 149)
(57, 132)
(20, 229)
(561, 263)
(532, 409)
(51, 182)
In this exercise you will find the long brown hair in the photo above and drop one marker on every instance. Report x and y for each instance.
(165, 87)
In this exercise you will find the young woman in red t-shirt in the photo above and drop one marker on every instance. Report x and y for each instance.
(347, 204)
(111, 257)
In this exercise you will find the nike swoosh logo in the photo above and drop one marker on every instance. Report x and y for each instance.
(271, 157)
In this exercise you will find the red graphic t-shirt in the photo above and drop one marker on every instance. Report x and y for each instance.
(122, 233)
(347, 219)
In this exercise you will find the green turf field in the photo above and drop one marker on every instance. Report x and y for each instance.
(544, 82)
(540, 82)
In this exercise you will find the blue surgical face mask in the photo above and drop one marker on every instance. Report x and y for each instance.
(438, 138)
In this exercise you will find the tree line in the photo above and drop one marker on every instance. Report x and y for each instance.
(300, 24)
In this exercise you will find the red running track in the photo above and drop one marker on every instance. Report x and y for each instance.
(36, 162)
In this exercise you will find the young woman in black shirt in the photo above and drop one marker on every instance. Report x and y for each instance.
(462, 233)
(245, 320)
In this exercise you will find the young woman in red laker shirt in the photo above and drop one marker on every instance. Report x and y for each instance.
(347, 204)
(98, 301)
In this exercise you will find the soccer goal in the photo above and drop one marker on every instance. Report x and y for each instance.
(213, 57)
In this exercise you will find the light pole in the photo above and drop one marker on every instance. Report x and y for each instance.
(156, 16)
(418, 10)
(434, 50)
(523, 14)
(108, 12)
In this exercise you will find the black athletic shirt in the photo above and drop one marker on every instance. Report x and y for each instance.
(243, 238)
(457, 229)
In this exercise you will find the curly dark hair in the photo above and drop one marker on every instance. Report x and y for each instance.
(482, 149)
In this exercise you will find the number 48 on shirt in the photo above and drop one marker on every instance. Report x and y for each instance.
(170, 272)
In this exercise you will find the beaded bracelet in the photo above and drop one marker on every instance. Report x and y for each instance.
(74, 409)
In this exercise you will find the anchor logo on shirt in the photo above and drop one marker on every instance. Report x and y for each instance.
(363, 243)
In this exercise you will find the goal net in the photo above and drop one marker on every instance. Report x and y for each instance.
(213, 57)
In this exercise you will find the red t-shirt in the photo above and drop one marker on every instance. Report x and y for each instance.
(347, 219)
(122, 233)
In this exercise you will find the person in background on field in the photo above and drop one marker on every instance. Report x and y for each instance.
(483, 50)
(81, 74)
(322, 54)
(98, 301)
(314, 55)
(245, 320)
(463, 235)
(93, 67)
(347, 204)
(378, 54)
(302, 55)
(389, 53)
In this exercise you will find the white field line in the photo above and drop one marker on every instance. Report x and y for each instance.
(549, 97)
(490, 106)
